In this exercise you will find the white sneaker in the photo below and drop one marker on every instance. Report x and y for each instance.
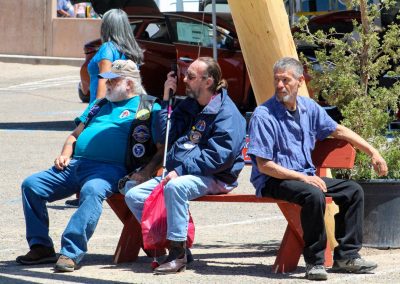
(316, 272)
(355, 265)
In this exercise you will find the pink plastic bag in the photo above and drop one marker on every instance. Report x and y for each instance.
(154, 221)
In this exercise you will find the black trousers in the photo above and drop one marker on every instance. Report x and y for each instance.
(347, 194)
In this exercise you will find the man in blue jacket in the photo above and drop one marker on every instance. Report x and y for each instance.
(205, 154)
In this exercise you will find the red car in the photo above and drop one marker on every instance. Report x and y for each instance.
(179, 38)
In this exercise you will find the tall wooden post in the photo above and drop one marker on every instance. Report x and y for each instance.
(264, 35)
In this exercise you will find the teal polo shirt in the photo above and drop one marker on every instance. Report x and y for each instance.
(106, 137)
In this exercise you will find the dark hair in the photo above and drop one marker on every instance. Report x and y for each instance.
(115, 27)
(214, 71)
(289, 63)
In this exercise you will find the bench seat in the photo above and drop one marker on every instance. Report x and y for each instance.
(330, 153)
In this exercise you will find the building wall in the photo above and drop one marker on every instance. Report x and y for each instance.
(23, 30)
(30, 27)
(69, 35)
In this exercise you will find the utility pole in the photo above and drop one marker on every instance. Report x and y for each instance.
(179, 5)
(214, 29)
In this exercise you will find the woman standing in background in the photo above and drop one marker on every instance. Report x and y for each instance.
(118, 42)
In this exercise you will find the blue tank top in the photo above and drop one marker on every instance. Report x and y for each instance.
(108, 51)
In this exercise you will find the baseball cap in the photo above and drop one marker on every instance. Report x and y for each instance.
(121, 68)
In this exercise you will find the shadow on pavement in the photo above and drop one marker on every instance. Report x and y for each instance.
(209, 267)
(210, 263)
(17, 271)
(269, 248)
(10, 280)
(60, 207)
(66, 125)
(204, 264)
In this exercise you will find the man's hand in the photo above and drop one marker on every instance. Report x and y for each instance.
(61, 162)
(170, 83)
(379, 164)
(139, 177)
(315, 181)
(170, 175)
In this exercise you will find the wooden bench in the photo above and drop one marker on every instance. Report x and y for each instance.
(330, 153)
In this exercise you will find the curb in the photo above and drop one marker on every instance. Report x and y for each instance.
(43, 60)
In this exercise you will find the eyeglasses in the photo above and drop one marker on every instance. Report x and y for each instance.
(114, 81)
(191, 76)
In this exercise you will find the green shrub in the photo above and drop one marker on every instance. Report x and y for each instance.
(359, 59)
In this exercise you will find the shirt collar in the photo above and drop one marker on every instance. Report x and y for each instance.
(215, 104)
(282, 110)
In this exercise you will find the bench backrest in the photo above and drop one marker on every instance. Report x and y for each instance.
(334, 153)
(330, 153)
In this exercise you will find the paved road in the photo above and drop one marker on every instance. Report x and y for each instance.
(235, 243)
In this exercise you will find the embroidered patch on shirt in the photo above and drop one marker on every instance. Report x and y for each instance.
(141, 133)
(200, 125)
(143, 114)
(125, 113)
(138, 150)
(195, 136)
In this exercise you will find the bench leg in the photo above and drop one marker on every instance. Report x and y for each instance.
(328, 255)
(289, 253)
(129, 242)
(292, 243)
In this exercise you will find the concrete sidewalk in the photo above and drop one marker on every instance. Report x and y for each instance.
(43, 60)
(234, 243)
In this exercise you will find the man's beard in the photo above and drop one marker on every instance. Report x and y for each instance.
(117, 94)
(286, 98)
(192, 94)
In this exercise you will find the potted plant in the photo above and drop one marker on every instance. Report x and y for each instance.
(353, 72)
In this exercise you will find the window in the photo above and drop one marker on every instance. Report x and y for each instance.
(193, 33)
(157, 32)
(201, 34)
(135, 25)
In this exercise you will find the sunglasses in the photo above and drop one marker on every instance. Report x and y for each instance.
(190, 76)
(114, 81)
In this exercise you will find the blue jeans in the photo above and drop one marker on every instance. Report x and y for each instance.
(94, 180)
(177, 193)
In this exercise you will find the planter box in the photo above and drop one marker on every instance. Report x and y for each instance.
(381, 213)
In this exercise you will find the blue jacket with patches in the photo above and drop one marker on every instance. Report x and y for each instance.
(206, 141)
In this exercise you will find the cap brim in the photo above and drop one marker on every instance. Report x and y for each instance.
(108, 75)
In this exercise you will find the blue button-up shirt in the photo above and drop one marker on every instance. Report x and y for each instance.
(275, 135)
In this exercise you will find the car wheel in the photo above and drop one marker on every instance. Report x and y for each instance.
(84, 97)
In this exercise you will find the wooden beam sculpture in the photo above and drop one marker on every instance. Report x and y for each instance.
(264, 35)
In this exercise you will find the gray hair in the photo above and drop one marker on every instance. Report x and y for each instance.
(289, 63)
(138, 88)
(115, 27)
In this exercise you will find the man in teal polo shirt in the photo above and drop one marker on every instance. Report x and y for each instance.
(92, 160)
